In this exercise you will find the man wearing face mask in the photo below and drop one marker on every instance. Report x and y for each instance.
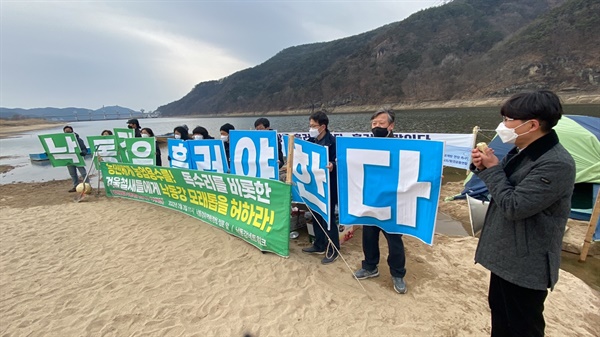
(135, 125)
(319, 134)
(382, 125)
(531, 191)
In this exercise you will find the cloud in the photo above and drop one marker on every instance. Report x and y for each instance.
(142, 54)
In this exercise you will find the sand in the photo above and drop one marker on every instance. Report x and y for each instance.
(115, 267)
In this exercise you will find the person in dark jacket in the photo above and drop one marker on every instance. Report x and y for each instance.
(135, 125)
(319, 134)
(147, 132)
(264, 124)
(382, 125)
(224, 130)
(531, 191)
(200, 132)
(72, 168)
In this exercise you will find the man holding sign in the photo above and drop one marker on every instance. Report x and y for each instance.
(319, 134)
(382, 125)
(72, 168)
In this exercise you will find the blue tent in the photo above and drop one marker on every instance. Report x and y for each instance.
(580, 135)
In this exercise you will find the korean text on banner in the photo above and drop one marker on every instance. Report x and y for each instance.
(390, 183)
(456, 154)
(62, 149)
(310, 179)
(254, 153)
(105, 148)
(208, 155)
(253, 209)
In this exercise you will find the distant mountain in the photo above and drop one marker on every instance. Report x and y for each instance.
(463, 49)
(72, 114)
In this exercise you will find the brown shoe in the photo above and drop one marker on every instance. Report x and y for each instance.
(73, 190)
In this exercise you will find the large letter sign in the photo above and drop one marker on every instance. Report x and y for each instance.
(179, 153)
(62, 149)
(121, 134)
(310, 178)
(254, 153)
(208, 155)
(105, 148)
(141, 151)
(390, 183)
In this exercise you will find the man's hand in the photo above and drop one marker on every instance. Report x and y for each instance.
(483, 160)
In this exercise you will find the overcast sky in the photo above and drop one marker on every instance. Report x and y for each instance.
(142, 54)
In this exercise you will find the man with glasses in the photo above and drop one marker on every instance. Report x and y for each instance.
(531, 192)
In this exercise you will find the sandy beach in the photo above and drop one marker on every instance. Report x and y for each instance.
(116, 267)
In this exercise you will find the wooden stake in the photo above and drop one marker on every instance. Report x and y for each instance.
(290, 159)
(591, 229)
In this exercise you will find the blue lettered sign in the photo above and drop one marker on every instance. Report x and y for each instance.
(179, 153)
(208, 155)
(390, 183)
(310, 179)
(254, 153)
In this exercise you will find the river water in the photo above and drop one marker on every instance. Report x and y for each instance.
(15, 151)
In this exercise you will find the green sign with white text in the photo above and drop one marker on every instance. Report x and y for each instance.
(62, 149)
(254, 209)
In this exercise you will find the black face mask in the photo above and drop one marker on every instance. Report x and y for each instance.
(129, 127)
(380, 132)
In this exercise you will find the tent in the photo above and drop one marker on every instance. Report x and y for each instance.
(580, 135)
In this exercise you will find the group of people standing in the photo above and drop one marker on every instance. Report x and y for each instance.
(521, 240)
(520, 243)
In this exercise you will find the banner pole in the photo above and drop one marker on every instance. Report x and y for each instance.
(591, 229)
(290, 159)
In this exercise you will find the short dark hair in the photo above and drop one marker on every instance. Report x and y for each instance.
(542, 105)
(134, 121)
(226, 127)
(67, 127)
(262, 121)
(106, 131)
(320, 117)
(391, 115)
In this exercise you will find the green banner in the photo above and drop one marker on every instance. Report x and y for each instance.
(62, 149)
(254, 209)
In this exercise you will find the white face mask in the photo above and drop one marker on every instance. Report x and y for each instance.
(313, 132)
(177, 136)
(145, 135)
(198, 137)
(224, 138)
(508, 135)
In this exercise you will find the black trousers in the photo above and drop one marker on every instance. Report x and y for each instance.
(396, 258)
(516, 311)
(320, 237)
